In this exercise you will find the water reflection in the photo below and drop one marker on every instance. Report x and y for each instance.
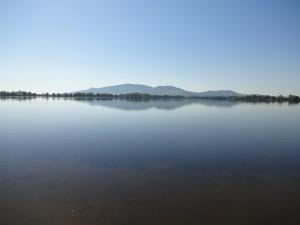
(138, 104)
(63, 162)
(157, 104)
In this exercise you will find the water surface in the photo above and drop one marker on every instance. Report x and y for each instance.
(111, 162)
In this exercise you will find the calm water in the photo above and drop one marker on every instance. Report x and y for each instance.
(71, 162)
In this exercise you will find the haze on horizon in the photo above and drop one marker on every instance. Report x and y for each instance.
(64, 45)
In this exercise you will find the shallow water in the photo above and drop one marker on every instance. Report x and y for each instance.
(79, 162)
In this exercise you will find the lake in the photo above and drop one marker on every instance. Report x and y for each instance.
(114, 162)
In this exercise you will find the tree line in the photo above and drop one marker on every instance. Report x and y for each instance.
(266, 98)
(88, 95)
(17, 93)
(139, 96)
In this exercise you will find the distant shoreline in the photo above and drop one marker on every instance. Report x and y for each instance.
(139, 96)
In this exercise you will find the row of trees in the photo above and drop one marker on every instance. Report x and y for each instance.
(31, 94)
(138, 96)
(18, 93)
(90, 95)
(266, 98)
(78, 95)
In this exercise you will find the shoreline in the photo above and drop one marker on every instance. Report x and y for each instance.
(131, 97)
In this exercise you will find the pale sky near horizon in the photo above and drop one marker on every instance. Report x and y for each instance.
(250, 46)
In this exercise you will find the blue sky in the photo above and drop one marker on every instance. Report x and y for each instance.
(64, 45)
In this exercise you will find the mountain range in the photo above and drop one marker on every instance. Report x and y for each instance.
(159, 90)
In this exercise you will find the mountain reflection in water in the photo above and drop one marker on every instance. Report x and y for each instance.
(157, 104)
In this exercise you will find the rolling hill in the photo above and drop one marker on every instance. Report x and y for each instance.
(159, 90)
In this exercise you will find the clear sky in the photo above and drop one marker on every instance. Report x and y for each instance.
(64, 45)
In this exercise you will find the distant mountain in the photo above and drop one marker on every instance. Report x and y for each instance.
(159, 90)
